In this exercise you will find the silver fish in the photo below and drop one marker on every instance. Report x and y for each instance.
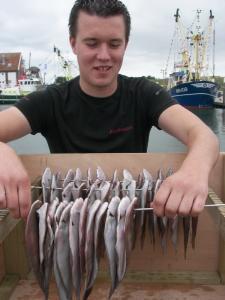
(78, 178)
(82, 235)
(98, 236)
(129, 225)
(74, 245)
(62, 255)
(89, 246)
(110, 241)
(161, 221)
(120, 238)
(174, 225)
(52, 207)
(48, 256)
(68, 178)
(194, 224)
(42, 213)
(46, 183)
(55, 186)
(32, 241)
(67, 192)
(186, 228)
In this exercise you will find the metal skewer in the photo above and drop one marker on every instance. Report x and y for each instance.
(59, 188)
(206, 205)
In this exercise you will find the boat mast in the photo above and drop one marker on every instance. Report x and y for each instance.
(197, 38)
(214, 43)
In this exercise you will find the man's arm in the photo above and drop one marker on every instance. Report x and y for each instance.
(185, 192)
(14, 181)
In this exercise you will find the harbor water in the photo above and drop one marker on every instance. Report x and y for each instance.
(159, 141)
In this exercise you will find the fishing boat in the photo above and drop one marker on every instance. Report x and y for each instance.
(190, 83)
(27, 83)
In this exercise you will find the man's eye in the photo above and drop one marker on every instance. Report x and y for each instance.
(91, 44)
(114, 45)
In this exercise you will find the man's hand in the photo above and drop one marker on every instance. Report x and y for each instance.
(185, 191)
(14, 183)
(181, 193)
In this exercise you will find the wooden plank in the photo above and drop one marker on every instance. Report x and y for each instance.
(6, 226)
(15, 253)
(7, 286)
(182, 277)
(2, 264)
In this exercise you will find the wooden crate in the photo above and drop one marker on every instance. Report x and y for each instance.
(205, 265)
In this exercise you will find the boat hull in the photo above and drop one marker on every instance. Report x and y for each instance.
(9, 99)
(195, 94)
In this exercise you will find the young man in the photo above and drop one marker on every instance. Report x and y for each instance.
(101, 111)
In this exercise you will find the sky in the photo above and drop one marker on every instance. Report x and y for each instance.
(36, 26)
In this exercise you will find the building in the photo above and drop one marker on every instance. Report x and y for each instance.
(11, 69)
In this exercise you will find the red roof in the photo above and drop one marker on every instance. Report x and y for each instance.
(10, 62)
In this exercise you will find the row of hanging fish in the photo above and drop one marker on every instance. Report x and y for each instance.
(76, 220)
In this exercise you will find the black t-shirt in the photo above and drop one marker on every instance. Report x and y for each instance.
(74, 122)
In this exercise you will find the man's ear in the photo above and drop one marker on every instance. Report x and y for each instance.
(73, 44)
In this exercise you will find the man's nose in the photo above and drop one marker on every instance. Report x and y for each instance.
(103, 52)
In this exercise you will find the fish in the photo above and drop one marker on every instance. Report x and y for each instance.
(89, 246)
(77, 192)
(49, 244)
(82, 235)
(129, 225)
(161, 221)
(56, 185)
(120, 238)
(62, 269)
(129, 184)
(97, 240)
(52, 207)
(194, 225)
(68, 178)
(48, 256)
(74, 245)
(32, 241)
(174, 225)
(42, 213)
(67, 192)
(46, 183)
(78, 178)
(144, 192)
(110, 241)
(186, 228)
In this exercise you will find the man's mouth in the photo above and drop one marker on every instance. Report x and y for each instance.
(102, 68)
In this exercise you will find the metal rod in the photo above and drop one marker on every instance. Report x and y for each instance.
(59, 188)
(206, 205)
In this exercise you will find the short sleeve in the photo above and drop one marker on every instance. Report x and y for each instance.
(156, 99)
(36, 107)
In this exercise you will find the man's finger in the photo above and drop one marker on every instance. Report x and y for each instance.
(186, 205)
(198, 206)
(173, 203)
(3, 203)
(24, 198)
(12, 201)
(160, 200)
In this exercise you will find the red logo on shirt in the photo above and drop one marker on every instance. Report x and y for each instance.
(119, 130)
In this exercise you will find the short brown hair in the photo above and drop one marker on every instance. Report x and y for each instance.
(102, 8)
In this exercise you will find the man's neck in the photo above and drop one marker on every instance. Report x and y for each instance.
(98, 92)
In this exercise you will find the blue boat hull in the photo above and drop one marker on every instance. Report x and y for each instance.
(196, 93)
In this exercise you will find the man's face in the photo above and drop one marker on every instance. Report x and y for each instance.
(99, 45)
